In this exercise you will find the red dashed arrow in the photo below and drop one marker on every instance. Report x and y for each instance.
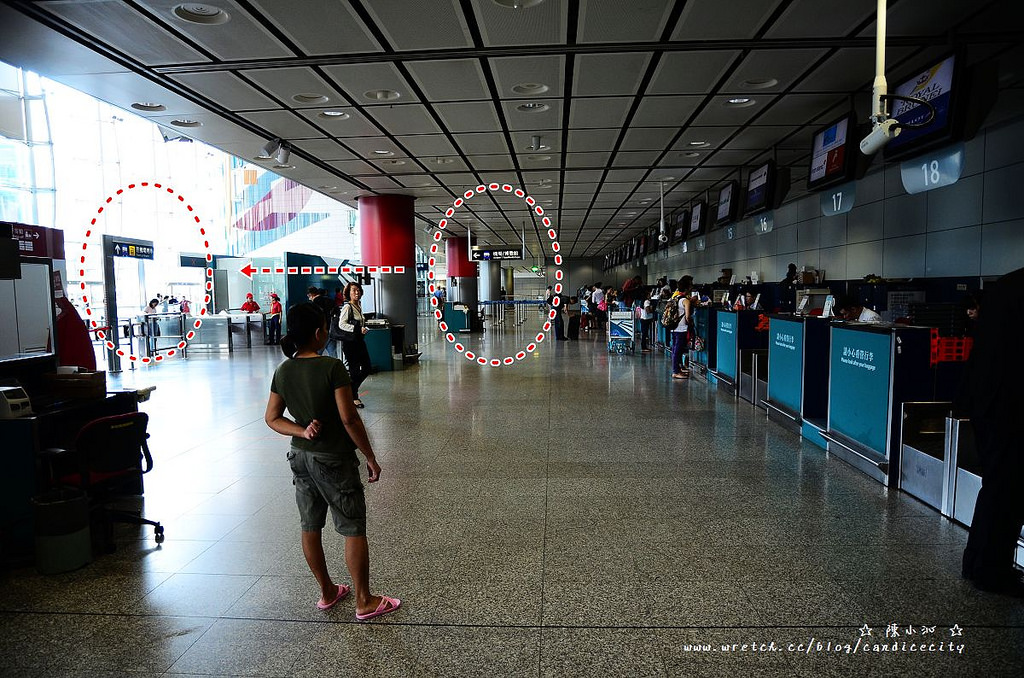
(249, 270)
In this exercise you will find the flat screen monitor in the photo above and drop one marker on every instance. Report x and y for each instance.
(680, 226)
(833, 153)
(727, 204)
(698, 217)
(760, 187)
(938, 85)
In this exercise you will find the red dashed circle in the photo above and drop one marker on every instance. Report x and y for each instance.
(520, 354)
(146, 360)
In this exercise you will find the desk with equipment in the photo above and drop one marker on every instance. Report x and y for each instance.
(59, 405)
(386, 345)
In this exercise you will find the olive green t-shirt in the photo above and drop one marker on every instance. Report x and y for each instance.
(307, 386)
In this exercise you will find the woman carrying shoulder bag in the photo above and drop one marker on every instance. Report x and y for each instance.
(351, 328)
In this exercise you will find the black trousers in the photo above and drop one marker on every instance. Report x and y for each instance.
(358, 360)
(999, 512)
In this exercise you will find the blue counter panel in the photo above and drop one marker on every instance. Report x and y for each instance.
(859, 387)
(813, 435)
(725, 335)
(785, 363)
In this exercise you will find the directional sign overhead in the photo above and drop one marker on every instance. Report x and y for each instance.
(489, 254)
(132, 250)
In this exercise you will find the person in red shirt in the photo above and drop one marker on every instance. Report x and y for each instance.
(250, 305)
(274, 321)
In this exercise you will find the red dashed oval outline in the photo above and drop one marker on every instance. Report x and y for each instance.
(520, 354)
(196, 323)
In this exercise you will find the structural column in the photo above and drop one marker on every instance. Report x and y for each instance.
(510, 281)
(462, 283)
(387, 238)
(490, 285)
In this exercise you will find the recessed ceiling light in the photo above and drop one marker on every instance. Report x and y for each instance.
(539, 147)
(263, 158)
(740, 102)
(532, 107)
(699, 144)
(149, 107)
(195, 13)
(333, 115)
(443, 161)
(381, 151)
(670, 178)
(760, 83)
(518, 4)
(337, 192)
(530, 88)
(327, 188)
(381, 95)
(310, 99)
(284, 167)
(392, 163)
(538, 158)
(692, 154)
(185, 122)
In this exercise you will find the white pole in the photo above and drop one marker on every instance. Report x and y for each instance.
(879, 87)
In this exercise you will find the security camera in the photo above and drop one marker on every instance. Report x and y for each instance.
(662, 238)
(880, 135)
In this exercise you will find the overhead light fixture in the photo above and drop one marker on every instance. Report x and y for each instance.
(740, 102)
(530, 88)
(381, 151)
(196, 13)
(381, 95)
(518, 4)
(282, 166)
(185, 122)
(326, 188)
(760, 83)
(533, 107)
(392, 163)
(310, 99)
(538, 158)
(691, 154)
(442, 161)
(148, 107)
(333, 115)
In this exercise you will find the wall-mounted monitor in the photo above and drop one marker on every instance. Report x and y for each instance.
(833, 153)
(698, 219)
(760, 187)
(728, 201)
(680, 226)
(938, 84)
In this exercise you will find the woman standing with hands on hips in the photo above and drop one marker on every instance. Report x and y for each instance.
(325, 433)
(353, 343)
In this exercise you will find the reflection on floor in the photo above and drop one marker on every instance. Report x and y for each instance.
(578, 513)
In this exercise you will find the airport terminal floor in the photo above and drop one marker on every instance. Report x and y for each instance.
(577, 514)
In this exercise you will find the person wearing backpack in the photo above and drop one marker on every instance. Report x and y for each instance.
(678, 310)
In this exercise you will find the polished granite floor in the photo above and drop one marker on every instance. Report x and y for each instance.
(577, 514)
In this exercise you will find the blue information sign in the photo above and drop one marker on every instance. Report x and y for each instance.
(726, 343)
(859, 383)
(785, 363)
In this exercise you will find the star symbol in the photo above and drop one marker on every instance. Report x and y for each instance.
(956, 630)
(865, 631)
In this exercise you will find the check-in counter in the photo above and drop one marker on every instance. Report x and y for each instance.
(873, 370)
(735, 331)
(798, 374)
(383, 343)
(458, 317)
(704, 324)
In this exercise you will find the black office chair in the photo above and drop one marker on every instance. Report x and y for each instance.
(107, 462)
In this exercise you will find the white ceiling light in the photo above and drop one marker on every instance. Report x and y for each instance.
(518, 4)
(381, 151)
(760, 83)
(392, 163)
(185, 122)
(699, 144)
(442, 161)
(691, 154)
(381, 95)
(195, 13)
(538, 158)
(533, 107)
(739, 102)
(334, 115)
(310, 99)
(327, 188)
(284, 167)
(530, 88)
(148, 107)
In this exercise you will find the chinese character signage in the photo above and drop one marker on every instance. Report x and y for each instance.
(488, 254)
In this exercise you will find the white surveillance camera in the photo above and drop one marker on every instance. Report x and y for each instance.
(662, 238)
(882, 134)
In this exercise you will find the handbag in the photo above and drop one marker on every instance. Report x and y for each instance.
(339, 334)
(698, 343)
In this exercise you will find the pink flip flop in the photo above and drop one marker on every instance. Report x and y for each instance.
(386, 605)
(343, 590)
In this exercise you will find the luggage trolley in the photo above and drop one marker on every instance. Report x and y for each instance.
(621, 332)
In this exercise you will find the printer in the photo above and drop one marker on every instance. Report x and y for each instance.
(14, 402)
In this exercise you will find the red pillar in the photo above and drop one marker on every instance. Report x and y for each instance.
(386, 232)
(457, 258)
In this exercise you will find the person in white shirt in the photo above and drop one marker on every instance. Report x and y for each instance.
(680, 334)
(852, 309)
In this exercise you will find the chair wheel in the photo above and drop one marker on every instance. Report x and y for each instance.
(159, 532)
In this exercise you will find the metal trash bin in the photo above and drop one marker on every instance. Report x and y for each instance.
(62, 537)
